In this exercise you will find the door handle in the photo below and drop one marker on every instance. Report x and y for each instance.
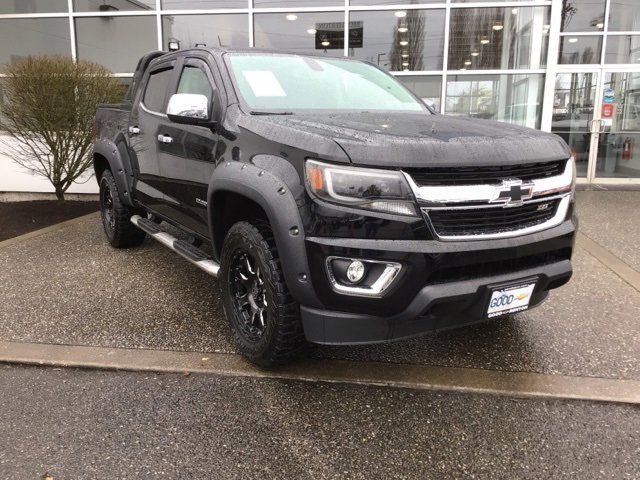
(165, 139)
(134, 130)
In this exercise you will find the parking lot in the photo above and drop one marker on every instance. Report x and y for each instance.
(68, 287)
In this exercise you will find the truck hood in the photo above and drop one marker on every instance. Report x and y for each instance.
(411, 139)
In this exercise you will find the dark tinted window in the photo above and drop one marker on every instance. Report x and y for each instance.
(156, 90)
(194, 80)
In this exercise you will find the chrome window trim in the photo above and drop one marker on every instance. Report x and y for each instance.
(376, 290)
(557, 219)
(485, 193)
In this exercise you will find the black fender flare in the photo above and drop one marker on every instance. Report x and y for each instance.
(276, 199)
(120, 167)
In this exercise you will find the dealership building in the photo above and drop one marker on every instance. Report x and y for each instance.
(571, 67)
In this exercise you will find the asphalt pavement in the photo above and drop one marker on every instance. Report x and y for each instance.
(89, 424)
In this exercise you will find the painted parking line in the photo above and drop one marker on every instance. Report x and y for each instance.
(518, 384)
(609, 260)
(51, 228)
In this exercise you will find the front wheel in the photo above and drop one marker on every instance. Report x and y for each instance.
(264, 319)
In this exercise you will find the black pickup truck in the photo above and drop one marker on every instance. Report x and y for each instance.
(332, 204)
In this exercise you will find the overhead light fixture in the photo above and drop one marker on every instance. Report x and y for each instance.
(404, 43)
(405, 69)
(326, 43)
(573, 40)
(404, 55)
(291, 17)
(514, 11)
(484, 40)
(475, 54)
(400, 13)
(600, 25)
(312, 31)
(498, 26)
(405, 64)
(467, 62)
(403, 29)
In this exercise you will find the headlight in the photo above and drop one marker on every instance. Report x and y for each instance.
(365, 188)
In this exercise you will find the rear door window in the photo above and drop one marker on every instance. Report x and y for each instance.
(156, 91)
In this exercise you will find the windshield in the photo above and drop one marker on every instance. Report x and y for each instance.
(272, 82)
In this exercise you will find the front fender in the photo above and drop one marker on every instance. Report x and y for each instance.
(117, 157)
(277, 200)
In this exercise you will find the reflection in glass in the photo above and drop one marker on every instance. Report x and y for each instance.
(196, 4)
(580, 49)
(321, 33)
(116, 42)
(33, 6)
(619, 144)
(513, 99)
(624, 15)
(391, 2)
(32, 36)
(492, 38)
(427, 88)
(582, 16)
(622, 49)
(112, 5)
(228, 30)
(401, 40)
(573, 105)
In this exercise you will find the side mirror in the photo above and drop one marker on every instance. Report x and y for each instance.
(189, 109)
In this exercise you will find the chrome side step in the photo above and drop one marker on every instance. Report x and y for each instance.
(182, 248)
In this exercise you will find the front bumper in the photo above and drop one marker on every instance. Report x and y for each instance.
(435, 307)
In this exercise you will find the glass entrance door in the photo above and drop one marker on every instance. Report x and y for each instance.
(573, 114)
(617, 127)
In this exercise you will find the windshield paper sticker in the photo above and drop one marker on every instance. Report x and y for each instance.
(264, 83)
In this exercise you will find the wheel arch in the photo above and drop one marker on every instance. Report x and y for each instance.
(250, 190)
(107, 155)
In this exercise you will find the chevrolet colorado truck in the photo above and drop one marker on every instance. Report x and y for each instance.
(332, 204)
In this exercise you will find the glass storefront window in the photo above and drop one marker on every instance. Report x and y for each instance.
(493, 38)
(624, 15)
(297, 3)
(428, 88)
(201, 4)
(226, 30)
(400, 40)
(391, 2)
(582, 16)
(622, 49)
(33, 6)
(112, 5)
(33, 36)
(580, 49)
(619, 144)
(514, 99)
(115, 42)
(316, 32)
(573, 105)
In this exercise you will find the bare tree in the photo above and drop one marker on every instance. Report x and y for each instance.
(48, 110)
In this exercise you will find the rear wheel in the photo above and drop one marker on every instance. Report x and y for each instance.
(116, 216)
(264, 319)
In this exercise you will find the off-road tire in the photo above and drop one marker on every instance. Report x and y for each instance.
(282, 338)
(116, 216)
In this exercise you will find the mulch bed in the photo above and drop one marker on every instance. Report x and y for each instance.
(18, 218)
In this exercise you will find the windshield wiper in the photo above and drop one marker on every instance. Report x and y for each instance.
(253, 112)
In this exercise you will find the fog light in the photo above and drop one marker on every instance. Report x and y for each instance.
(355, 271)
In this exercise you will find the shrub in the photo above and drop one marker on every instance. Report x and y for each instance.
(48, 112)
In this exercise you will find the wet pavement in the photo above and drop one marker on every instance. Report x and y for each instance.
(70, 287)
(87, 424)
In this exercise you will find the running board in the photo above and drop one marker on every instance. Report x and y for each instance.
(182, 248)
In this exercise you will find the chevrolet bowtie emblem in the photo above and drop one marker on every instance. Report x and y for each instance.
(512, 192)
